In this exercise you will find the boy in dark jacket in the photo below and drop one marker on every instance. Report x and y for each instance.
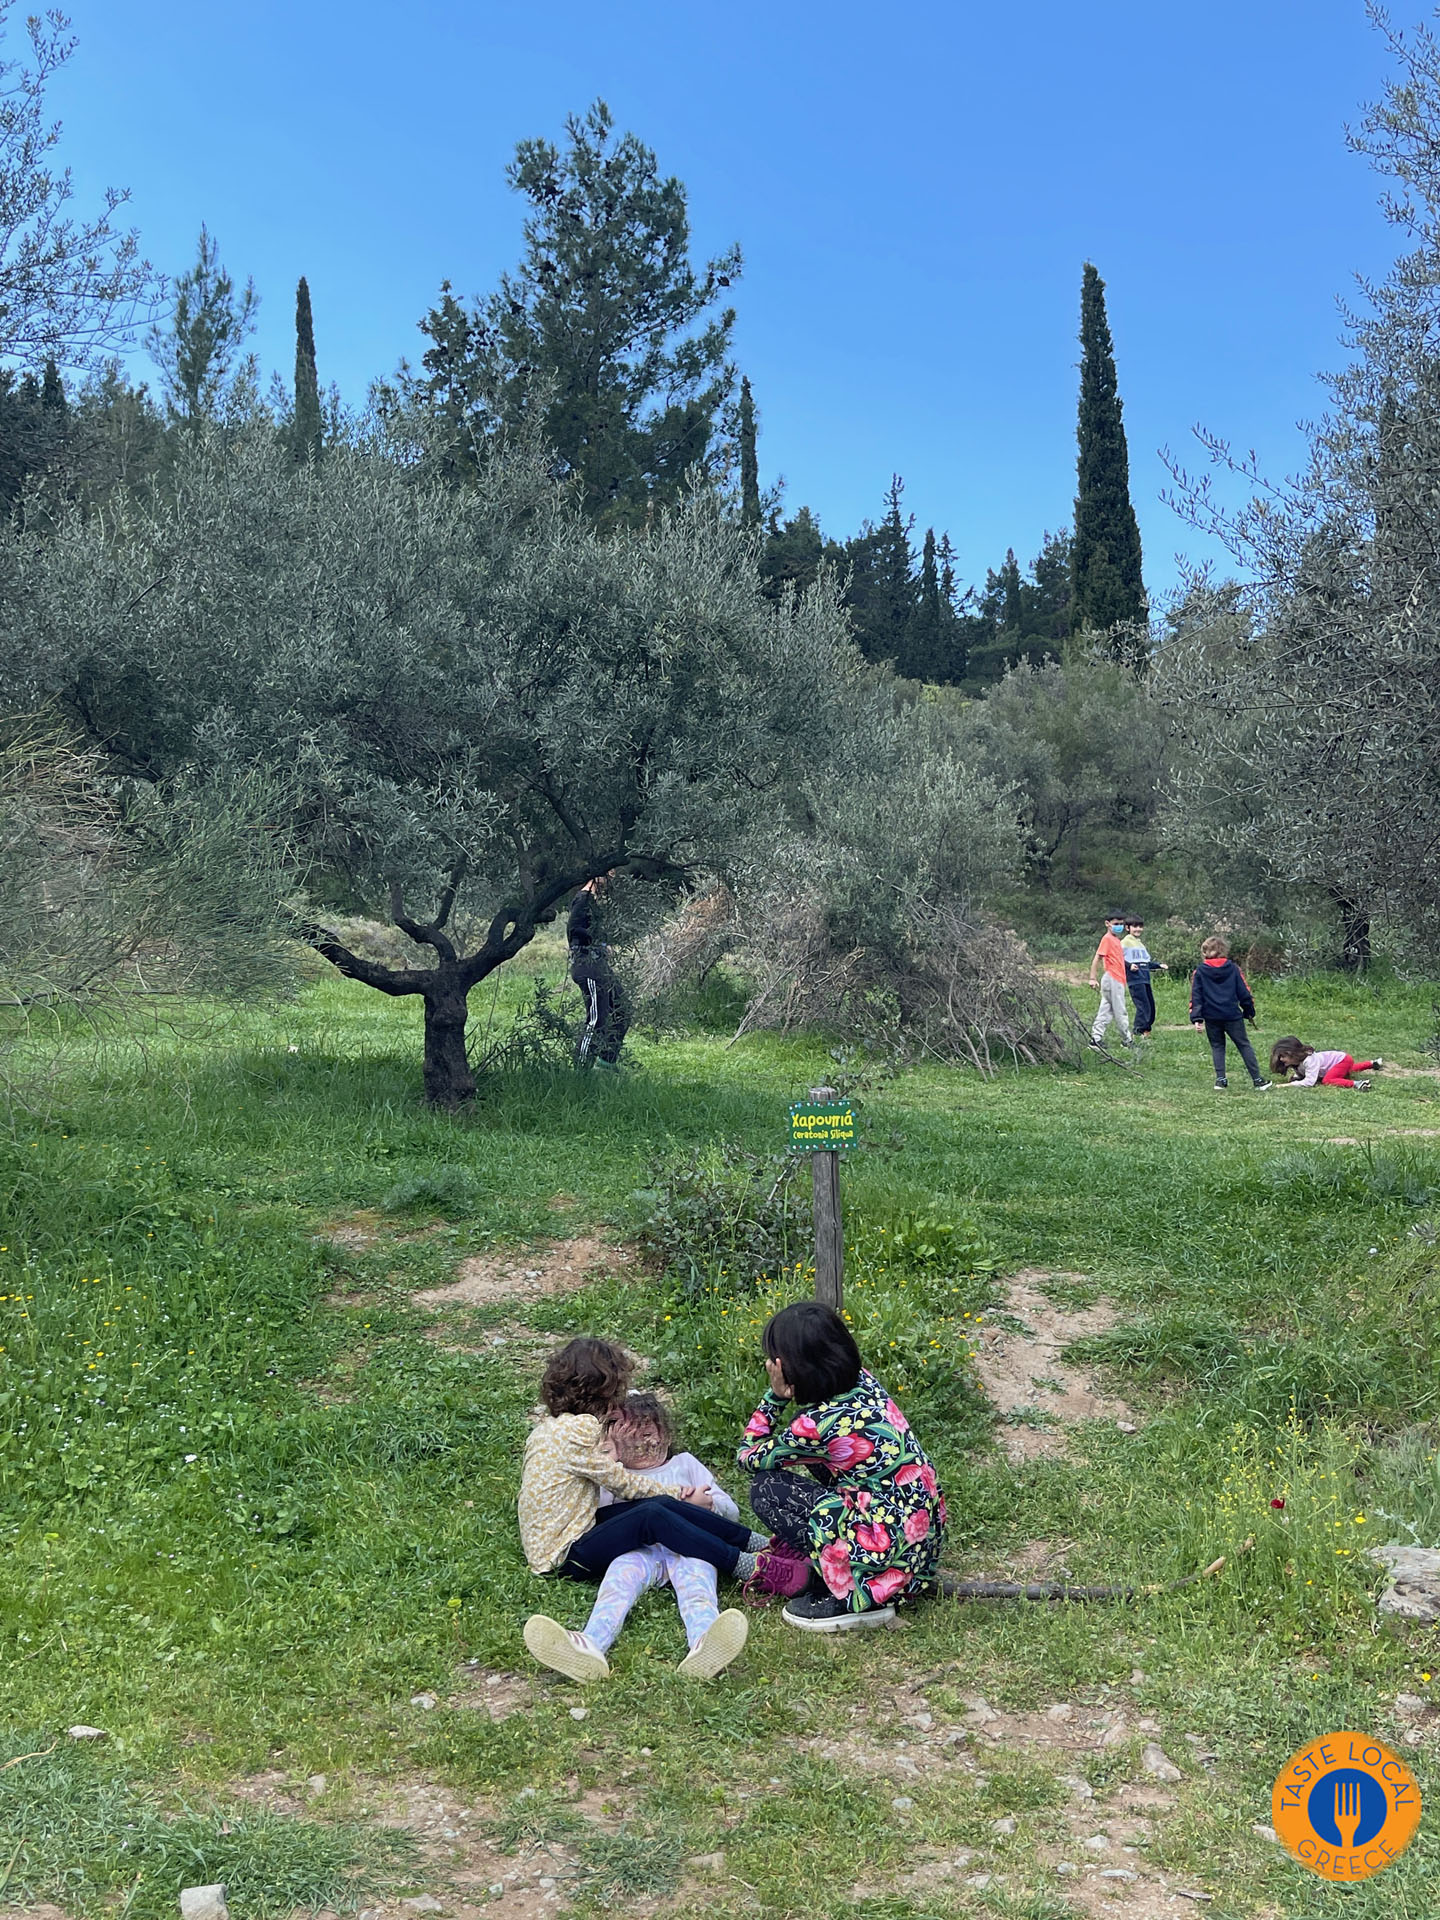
(1221, 1002)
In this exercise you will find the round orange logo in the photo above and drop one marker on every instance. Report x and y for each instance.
(1345, 1806)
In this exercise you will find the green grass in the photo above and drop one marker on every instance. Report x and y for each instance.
(243, 1524)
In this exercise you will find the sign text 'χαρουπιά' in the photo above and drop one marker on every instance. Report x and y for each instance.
(828, 1128)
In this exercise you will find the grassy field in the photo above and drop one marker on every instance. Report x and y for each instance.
(252, 1506)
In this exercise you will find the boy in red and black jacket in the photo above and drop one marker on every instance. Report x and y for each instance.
(1221, 1002)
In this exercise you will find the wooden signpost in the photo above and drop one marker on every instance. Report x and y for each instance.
(824, 1127)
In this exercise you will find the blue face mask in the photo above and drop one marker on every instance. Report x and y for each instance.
(1117, 926)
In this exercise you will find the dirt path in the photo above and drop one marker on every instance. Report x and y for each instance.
(1037, 1395)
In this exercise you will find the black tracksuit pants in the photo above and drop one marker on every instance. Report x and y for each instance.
(607, 1018)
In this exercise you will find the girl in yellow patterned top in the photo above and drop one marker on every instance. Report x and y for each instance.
(563, 1527)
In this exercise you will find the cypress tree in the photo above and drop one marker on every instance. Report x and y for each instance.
(955, 659)
(923, 655)
(1012, 616)
(308, 424)
(749, 459)
(1106, 555)
(52, 390)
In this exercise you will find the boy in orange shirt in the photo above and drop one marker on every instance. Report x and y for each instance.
(1111, 956)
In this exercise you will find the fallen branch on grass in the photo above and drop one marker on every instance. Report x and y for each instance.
(955, 1588)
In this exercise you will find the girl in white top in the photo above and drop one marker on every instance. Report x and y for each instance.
(1318, 1066)
(640, 1436)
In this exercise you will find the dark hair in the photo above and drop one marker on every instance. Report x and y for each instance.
(1212, 947)
(816, 1349)
(1136, 920)
(645, 1410)
(1288, 1051)
(587, 1376)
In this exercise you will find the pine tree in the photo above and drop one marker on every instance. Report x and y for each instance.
(749, 459)
(793, 555)
(1108, 587)
(882, 590)
(197, 352)
(309, 427)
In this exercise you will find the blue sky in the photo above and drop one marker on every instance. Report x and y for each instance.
(915, 189)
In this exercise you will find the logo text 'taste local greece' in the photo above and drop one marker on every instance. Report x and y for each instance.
(1345, 1806)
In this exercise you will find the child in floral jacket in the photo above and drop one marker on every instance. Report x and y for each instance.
(865, 1506)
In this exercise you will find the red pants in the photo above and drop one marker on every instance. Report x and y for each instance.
(1340, 1074)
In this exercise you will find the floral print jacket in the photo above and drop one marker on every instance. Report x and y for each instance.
(878, 1527)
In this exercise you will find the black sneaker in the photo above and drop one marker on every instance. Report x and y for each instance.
(1222, 1086)
(1264, 1086)
(1376, 1065)
(1362, 1086)
(823, 1613)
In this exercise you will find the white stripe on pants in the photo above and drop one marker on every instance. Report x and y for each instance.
(1112, 1007)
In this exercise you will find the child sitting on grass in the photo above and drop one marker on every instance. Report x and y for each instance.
(1325, 1067)
(564, 1528)
(642, 1438)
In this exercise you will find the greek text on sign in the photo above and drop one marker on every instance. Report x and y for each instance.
(822, 1129)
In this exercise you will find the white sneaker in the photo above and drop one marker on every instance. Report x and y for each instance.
(564, 1652)
(720, 1643)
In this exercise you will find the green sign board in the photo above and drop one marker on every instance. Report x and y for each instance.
(828, 1128)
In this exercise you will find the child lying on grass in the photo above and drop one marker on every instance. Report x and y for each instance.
(564, 1528)
(642, 1438)
(1324, 1067)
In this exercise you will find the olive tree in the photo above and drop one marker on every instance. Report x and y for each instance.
(477, 701)
(1307, 700)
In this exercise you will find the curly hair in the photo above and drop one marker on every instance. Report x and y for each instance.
(587, 1376)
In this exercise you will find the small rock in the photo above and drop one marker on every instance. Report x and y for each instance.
(1410, 1703)
(645, 1752)
(979, 1708)
(316, 1785)
(902, 1803)
(1097, 1843)
(1263, 1832)
(1005, 1826)
(1062, 1711)
(1126, 1426)
(424, 1903)
(87, 1733)
(979, 1880)
(1116, 1733)
(580, 1713)
(1158, 1764)
(1148, 1726)
(924, 1721)
(1067, 1866)
(1138, 1677)
(1079, 1789)
(708, 1862)
(497, 1886)
(425, 1701)
(546, 1880)
(1119, 1873)
(204, 1903)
